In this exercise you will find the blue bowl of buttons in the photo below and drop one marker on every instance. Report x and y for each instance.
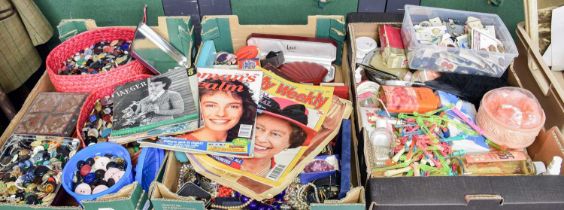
(97, 170)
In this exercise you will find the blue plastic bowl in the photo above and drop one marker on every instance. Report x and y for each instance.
(98, 149)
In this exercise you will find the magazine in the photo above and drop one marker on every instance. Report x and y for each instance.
(160, 105)
(228, 109)
(294, 123)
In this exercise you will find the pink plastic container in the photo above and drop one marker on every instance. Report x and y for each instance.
(511, 117)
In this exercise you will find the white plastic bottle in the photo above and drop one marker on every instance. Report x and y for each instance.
(381, 142)
(554, 166)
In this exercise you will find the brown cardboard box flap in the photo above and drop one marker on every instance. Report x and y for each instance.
(167, 194)
(547, 145)
(353, 196)
(167, 188)
(546, 85)
(125, 192)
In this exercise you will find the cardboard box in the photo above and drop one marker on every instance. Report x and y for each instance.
(465, 192)
(546, 85)
(134, 197)
(229, 35)
(164, 197)
(356, 30)
(475, 192)
(129, 197)
(63, 200)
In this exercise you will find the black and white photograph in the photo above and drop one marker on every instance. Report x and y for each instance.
(158, 99)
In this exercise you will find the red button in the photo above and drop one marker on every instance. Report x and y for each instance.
(85, 170)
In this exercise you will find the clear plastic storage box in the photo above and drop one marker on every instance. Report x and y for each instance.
(454, 59)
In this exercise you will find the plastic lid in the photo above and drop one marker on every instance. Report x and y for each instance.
(554, 166)
(365, 44)
(514, 108)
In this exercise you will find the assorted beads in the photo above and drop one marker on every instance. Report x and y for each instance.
(297, 196)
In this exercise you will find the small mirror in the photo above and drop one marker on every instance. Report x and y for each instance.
(155, 52)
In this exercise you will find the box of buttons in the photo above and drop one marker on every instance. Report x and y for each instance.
(131, 196)
(31, 167)
(39, 160)
(30, 147)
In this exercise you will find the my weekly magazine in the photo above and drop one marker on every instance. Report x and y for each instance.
(294, 123)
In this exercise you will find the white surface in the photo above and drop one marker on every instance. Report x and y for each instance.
(557, 42)
(286, 156)
(321, 53)
(540, 168)
(468, 146)
(547, 57)
(364, 45)
(554, 166)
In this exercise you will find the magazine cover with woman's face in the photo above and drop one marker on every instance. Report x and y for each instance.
(228, 104)
(281, 129)
(228, 109)
(287, 117)
(294, 123)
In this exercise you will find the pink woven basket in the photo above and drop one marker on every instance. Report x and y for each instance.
(89, 82)
(98, 94)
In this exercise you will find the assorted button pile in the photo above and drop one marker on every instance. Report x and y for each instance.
(97, 174)
(98, 126)
(31, 168)
(100, 57)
